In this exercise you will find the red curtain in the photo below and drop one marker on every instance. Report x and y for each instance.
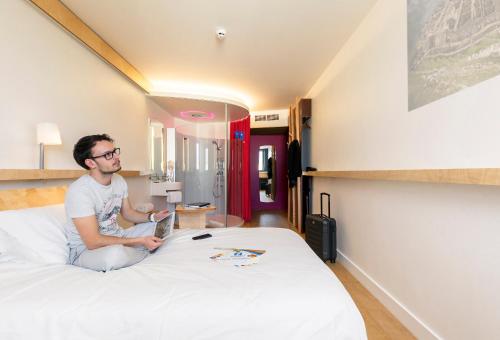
(239, 169)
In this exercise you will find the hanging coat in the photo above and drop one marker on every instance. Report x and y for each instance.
(294, 163)
(270, 168)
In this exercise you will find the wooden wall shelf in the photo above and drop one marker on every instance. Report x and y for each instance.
(36, 174)
(480, 176)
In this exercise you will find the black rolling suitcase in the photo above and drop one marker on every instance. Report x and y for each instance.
(321, 233)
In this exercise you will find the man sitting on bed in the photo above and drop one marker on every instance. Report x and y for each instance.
(92, 205)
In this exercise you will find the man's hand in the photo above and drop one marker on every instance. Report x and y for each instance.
(135, 216)
(152, 242)
(160, 215)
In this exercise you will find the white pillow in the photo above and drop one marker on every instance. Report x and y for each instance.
(11, 250)
(41, 230)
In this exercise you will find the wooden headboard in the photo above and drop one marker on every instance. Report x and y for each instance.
(32, 197)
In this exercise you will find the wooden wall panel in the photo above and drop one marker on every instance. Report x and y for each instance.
(30, 198)
(73, 24)
(298, 111)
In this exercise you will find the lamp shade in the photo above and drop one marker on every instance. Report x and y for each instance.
(48, 134)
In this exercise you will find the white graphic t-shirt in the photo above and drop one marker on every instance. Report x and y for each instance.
(87, 197)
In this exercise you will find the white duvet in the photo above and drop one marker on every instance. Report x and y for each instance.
(179, 293)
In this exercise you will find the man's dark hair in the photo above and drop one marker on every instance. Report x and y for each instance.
(83, 147)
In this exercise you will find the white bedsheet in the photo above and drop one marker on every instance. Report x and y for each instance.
(179, 293)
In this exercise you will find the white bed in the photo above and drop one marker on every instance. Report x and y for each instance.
(176, 293)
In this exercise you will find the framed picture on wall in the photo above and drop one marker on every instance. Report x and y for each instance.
(452, 45)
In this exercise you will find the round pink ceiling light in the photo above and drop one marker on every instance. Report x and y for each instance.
(197, 115)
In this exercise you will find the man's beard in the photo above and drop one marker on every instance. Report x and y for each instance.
(109, 172)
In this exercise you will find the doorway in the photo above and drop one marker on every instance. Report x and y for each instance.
(268, 181)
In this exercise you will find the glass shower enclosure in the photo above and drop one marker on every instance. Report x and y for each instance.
(200, 130)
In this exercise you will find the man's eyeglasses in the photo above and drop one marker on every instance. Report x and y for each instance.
(109, 155)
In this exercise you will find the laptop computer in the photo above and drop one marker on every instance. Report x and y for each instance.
(164, 228)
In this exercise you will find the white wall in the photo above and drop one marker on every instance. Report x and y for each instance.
(47, 75)
(363, 95)
(430, 252)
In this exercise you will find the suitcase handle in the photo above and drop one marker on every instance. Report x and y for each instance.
(321, 203)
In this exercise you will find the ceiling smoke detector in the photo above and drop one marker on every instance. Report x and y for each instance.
(221, 33)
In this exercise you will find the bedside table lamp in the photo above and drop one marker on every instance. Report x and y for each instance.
(47, 134)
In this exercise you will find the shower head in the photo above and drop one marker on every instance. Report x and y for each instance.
(219, 147)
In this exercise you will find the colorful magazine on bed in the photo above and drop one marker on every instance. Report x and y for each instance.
(237, 257)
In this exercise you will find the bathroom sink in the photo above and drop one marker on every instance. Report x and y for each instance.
(161, 188)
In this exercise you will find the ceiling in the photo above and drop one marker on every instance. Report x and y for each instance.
(273, 52)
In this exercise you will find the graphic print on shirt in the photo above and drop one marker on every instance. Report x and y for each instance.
(107, 216)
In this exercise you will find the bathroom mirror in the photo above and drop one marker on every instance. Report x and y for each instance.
(157, 151)
(267, 171)
(170, 163)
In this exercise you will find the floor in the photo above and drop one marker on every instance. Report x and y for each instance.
(265, 218)
(379, 322)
